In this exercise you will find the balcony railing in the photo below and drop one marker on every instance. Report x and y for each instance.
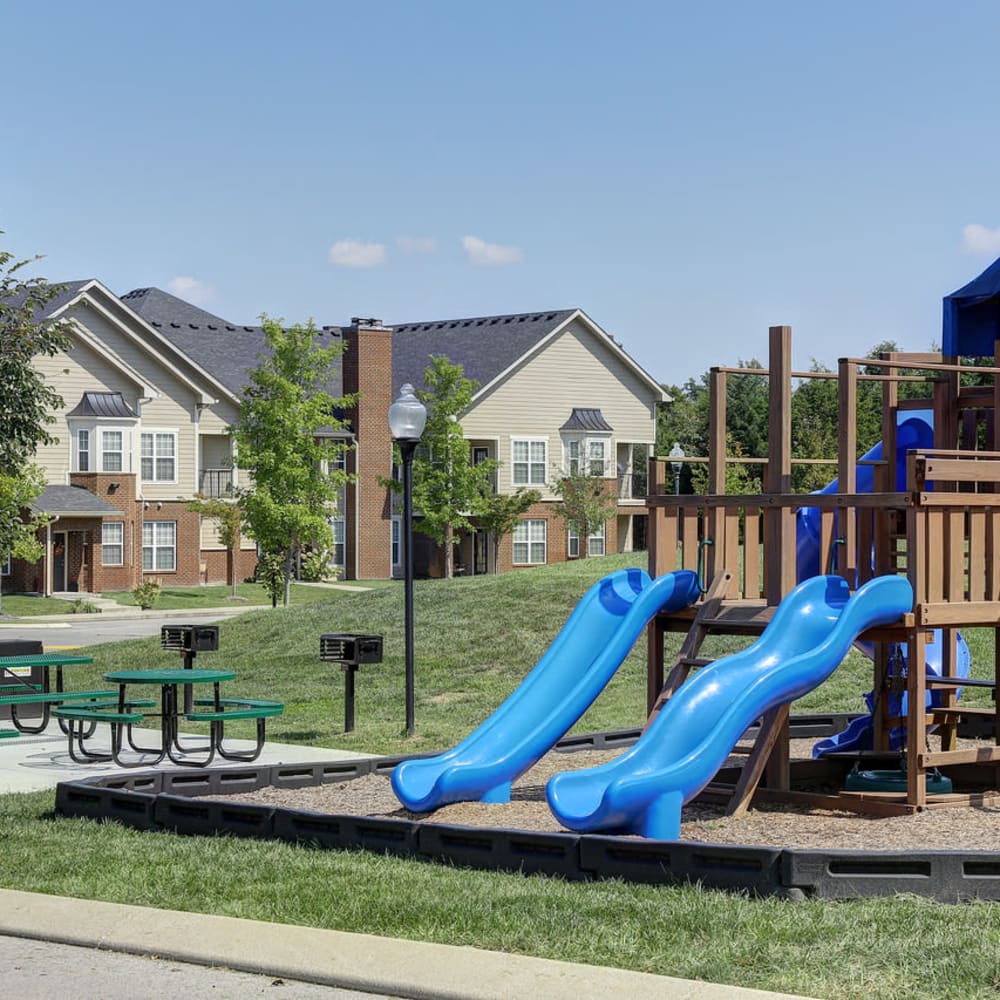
(632, 486)
(216, 483)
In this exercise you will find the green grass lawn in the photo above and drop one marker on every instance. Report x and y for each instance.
(25, 606)
(475, 640)
(220, 596)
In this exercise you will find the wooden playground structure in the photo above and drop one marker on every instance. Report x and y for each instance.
(942, 531)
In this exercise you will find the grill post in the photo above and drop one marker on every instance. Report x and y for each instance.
(189, 640)
(350, 650)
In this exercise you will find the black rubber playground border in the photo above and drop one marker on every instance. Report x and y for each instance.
(183, 803)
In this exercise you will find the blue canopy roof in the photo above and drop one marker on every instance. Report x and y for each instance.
(972, 316)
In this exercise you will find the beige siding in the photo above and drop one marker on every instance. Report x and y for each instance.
(574, 370)
(81, 370)
(174, 410)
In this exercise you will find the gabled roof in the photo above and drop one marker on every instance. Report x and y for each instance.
(489, 346)
(227, 351)
(485, 346)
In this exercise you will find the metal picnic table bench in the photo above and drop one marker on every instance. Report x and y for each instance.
(17, 691)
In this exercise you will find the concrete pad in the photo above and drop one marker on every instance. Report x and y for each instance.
(35, 763)
(352, 961)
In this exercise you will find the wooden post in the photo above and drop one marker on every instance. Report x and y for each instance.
(847, 468)
(779, 525)
(715, 523)
(916, 713)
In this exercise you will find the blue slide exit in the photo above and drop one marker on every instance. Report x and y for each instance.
(572, 672)
(642, 791)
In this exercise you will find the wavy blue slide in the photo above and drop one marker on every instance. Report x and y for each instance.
(572, 672)
(642, 791)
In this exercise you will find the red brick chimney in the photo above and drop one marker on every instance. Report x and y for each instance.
(367, 369)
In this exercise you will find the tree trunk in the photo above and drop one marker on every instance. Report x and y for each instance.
(288, 578)
(449, 553)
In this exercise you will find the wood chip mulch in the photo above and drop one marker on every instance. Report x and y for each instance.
(970, 829)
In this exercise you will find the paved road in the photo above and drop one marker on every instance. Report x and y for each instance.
(40, 970)
(89, 630)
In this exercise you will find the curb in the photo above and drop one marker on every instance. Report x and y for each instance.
(336, 958)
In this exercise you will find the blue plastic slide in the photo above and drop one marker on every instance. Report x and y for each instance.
(642, 791)
(572, 672)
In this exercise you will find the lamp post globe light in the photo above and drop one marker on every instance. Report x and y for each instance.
(407, 417)
(677, 463)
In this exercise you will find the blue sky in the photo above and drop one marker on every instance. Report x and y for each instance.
(688, 174)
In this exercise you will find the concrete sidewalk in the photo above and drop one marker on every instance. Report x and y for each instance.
(362, 962)
(33, 763)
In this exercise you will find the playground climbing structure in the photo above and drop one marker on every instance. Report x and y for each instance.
(929, 513)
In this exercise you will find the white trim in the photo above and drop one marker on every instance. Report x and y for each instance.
(526, 523)
(596, 331)
(100, 347)
(143, 342)
(153, 432)
(104, 526)
(529, 439)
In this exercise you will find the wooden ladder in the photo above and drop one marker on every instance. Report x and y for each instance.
(687, 656)
(773, 724)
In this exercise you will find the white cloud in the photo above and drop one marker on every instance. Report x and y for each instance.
(980, 239)
(481, 252)
(354, 253)
(191, 289)
(422, 245)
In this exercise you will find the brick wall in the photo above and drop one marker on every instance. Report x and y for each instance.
(367, 369)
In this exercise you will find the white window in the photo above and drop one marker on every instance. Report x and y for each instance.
(397, 555)
(529, 459)
(338, 541)
(586, 456)
(5, 566)
(159, 457)
(159, 545)
(595, 543)
(573, 456)
(111, 451)
(112, 543)
(529, 542)
(595, 451)
(83, 451)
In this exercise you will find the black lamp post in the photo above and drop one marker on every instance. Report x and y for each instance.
(407, 417)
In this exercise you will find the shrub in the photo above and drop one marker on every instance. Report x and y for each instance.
(147, 594)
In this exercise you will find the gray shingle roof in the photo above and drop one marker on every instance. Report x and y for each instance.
(484, 346)
(225, 350)
(72, 500)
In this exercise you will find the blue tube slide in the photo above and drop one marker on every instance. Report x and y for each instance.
(916, 431)
(573, 671)
(642, 791)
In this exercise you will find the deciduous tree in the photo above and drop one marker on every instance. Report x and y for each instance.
(286, 439)
(448, 489)
(27, 402)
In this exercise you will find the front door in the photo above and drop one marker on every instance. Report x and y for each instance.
(59, 561)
